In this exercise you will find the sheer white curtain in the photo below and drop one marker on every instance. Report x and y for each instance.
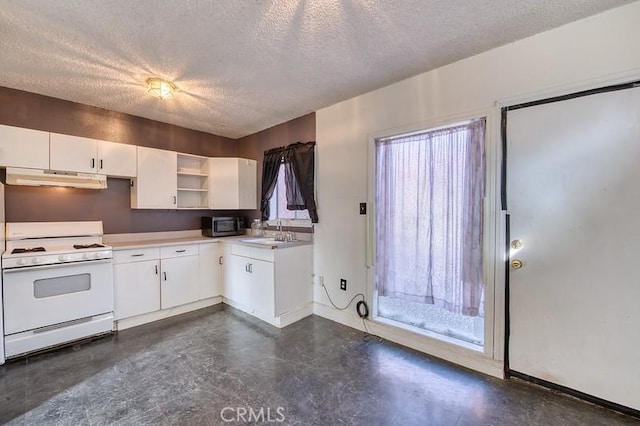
(429, 191)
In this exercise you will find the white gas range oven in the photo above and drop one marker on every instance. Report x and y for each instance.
(57, 284)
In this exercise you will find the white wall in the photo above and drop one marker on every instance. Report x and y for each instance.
(592, 52)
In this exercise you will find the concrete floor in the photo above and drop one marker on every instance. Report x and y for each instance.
(217, 364)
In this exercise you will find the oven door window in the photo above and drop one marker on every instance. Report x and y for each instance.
(56, 286)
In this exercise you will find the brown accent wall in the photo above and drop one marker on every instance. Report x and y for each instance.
(301, 129)
(33, 111)
(111, 205)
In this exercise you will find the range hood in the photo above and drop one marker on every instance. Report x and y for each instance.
(33, 177)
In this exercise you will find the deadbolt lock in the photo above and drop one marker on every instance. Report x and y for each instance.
(516, 263)
(516, 244)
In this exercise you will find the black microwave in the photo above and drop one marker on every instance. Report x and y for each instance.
(222, 226)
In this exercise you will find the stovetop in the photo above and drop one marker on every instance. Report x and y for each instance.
(50, 243)
(27, 250)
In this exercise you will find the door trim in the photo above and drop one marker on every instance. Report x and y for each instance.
(508, 373)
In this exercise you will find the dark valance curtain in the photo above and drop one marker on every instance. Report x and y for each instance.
(301, 160)
(270, 167)
(299, 168)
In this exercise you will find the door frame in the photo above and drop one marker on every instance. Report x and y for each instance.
(508, 373)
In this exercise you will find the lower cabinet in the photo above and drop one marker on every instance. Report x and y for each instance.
(180, 281)
(152, 279)
(210, 260)
(136, 282)
(136, 288)
(251, 284)
(269, 283)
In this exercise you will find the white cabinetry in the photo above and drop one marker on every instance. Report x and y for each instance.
(164, 281)
(156, 184)
(180, 275)
(275, 285)
(209, 258)
(117, 159)
(136, 279)
(232, 184)
(24, 148)
(73, 153)
(193, 181)
(85, 155)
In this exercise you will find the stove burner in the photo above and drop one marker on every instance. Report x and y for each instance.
(27, 250)
(86, 246)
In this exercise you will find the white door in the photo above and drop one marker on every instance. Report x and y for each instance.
(157, 181)
(24, 148)
(261, 287)
(573, 194)
(247, 184)
(209, 257)
(116, 159)
(40, 296)
(180, 281)
(237, 281)
(73, 153)
(136, 288)
(223, 183)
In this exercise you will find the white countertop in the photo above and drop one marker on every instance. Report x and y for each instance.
(161, 242)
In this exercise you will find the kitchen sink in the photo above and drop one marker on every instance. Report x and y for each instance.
(263, 240)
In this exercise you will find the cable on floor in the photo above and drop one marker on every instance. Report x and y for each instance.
(361, 308)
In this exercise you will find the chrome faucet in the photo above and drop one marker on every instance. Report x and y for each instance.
(279, 235)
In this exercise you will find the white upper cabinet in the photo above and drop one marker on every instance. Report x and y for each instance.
(156, 184)
(232, 184)
(85, 155)
(117, 159)
(24, 148)
(73, 154)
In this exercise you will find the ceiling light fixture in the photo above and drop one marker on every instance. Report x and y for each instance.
(160, 88)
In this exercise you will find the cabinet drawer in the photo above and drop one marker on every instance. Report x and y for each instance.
(266, 254)
(177, 251)
(135, 255)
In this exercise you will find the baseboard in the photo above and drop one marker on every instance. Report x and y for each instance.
(455, 354)
(125, 323)
(281, 320)
(290, 317)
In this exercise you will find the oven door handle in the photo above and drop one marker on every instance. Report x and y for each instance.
(55, 266)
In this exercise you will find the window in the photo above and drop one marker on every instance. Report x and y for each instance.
(429, 188)
(278, 202)
(288, 184)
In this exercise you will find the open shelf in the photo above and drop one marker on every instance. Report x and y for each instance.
(191, 173)
(193, 182)
(193, 189)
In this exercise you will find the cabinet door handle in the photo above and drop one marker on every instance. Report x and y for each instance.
(220, 260)
(93, 163)
(251, 268)
(156, 269)
(174, 199)
(165, 275)
(101, 165)
(137, 255)
(180, 251)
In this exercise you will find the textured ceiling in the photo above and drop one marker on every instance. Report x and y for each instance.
(246, 65)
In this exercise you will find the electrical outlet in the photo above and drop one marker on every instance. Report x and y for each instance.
(343, 284)
(321, 281)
